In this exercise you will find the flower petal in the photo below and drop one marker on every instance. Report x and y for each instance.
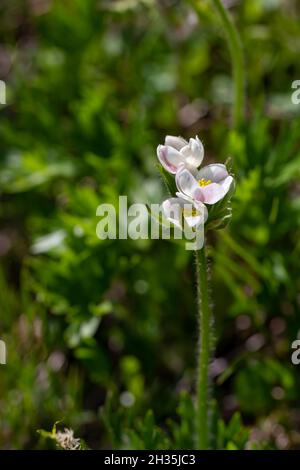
(176, 142)
(186, 183)
(192, 218)
(169, 157)
(211, 193)
(172, 208)
(193, 152)
(216, 172)
(226, 183)
(184, 197)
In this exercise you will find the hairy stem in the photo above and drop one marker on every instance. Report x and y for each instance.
(237, 58)
(204, 351)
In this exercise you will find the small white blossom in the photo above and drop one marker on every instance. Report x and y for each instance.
(208, 185)
(179, 211)
(177, 153)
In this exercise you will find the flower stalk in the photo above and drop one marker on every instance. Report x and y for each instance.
(204, 351)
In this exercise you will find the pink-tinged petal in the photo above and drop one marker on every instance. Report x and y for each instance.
(226, 183)
(216, 172)
(186, 183)
(193, 152)
(172, 209)
(199, 196)
(169, 157)
(212, 193)
(176, 142)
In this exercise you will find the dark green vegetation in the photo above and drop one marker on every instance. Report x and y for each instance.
(90, 325)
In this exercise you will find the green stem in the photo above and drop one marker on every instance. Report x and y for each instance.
(237, 58)
(204, 351)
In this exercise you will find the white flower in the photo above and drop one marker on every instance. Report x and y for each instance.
(208, 185)
(180, 211)
(177, 153)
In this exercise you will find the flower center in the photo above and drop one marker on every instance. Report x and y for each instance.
(190, 212)
(204, 182)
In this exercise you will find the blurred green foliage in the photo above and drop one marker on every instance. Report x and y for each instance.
(99, 333)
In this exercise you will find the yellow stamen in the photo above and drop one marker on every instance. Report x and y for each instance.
(190, 212)
(204, 182)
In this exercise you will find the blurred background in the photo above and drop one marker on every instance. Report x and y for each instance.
(99, 333)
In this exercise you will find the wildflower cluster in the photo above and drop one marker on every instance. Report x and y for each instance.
(201, 195)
